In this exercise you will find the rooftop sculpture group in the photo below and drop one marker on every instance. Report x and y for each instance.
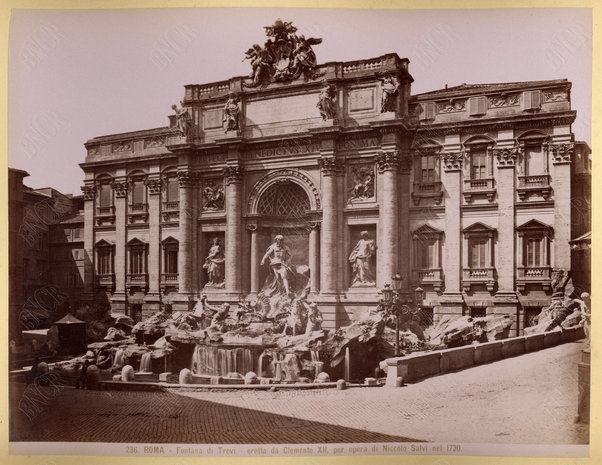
(284, 56)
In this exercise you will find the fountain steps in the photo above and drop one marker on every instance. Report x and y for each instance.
(148, 386)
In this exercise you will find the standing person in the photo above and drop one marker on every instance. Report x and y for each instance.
(83, 373)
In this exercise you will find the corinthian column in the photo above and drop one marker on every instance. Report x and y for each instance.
(188, 181)
(329, 243)
(252, 228)
(233, 174)
(314, 257)
(120, 187)
(387, 163)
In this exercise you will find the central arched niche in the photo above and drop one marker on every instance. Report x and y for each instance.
(282, 208)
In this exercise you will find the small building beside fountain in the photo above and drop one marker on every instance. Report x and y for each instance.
(329, 179)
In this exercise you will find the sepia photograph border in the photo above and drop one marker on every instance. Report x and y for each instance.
(100, 453)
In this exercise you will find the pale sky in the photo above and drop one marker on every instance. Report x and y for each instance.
(74, 75)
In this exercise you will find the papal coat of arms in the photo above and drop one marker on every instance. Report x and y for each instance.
(285, 55)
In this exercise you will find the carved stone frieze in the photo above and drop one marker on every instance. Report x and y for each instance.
(555, 96)
(122, 146)
(451, 106)
(157, 141)
(504, 100)
(452, 161)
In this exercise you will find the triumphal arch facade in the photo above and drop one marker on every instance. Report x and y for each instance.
(331, 175)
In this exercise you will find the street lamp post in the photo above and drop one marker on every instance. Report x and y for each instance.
(392, 302)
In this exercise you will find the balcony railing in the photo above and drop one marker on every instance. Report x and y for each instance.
(169, 280)
(484, 275)
(478, 184)
(105, 279)
(428, 276)
(171, 206)
(477, 187)
(137, 279)
(427, 190)
(533, 275)
(105, 210)
(540, 180)
(427, 187)
(539, 184)
(139, 207)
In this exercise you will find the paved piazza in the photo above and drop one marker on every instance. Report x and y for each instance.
(533, 401)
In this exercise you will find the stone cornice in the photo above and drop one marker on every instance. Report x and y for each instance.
(516, 122)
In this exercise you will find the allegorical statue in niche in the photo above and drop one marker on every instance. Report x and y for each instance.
(363, 188)
(214, 264)
(183, 119)
(326, 100)
(283, 278)
(232, 113)
(390, 88)
(213, 196)
(362, 261)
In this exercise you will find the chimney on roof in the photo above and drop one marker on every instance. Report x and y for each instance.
(445, 86)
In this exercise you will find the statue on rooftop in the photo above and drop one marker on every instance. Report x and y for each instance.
(390, 88)
(326, 103)
(232, 113)
(284, 57)
(183, 119)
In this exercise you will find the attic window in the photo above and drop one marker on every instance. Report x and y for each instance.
(477, 106)
(531, 100)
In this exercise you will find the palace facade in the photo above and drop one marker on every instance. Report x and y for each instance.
(464, 191)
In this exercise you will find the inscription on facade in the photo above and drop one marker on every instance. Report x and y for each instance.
(355, 144)
(282, 151)
(210, 158)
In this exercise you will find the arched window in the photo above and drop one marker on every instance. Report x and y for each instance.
(285, 198)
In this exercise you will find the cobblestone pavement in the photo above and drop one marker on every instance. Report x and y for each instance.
(527, 399)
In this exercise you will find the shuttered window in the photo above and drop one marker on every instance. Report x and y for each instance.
(531, 100)
(477, 106)
(427, 171)
(478, 164)
(428, 111)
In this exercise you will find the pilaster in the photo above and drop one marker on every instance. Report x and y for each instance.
(89, 191)
(153, 186)
(188, 181)
(562, 155)
(119, 299)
